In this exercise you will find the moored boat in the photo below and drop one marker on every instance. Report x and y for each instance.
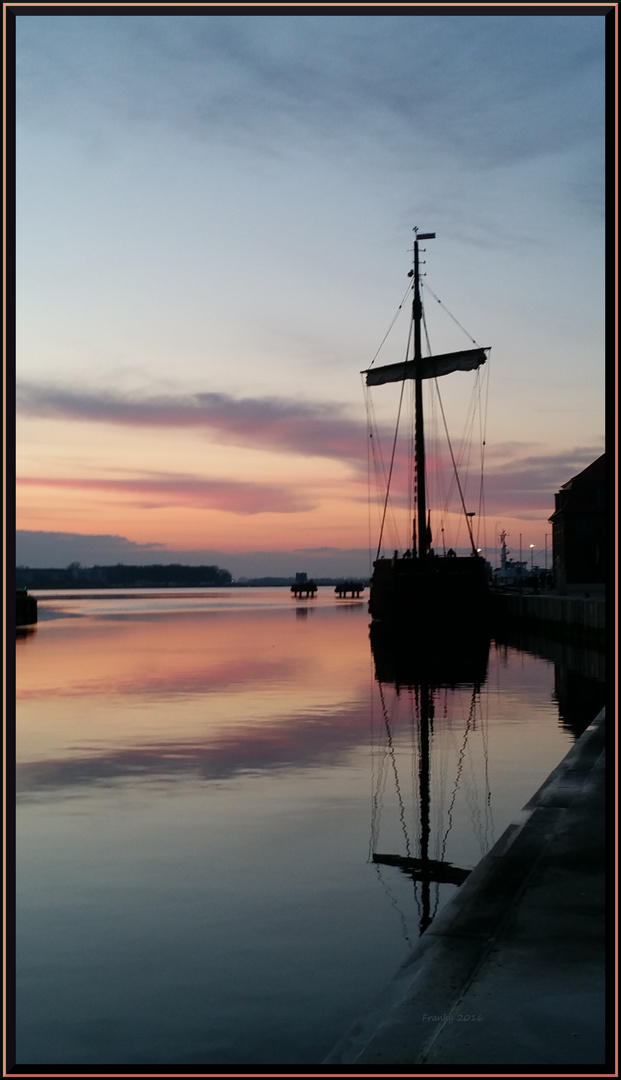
(420, 587)
(26, 608)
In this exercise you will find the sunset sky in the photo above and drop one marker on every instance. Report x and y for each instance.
(214, 230)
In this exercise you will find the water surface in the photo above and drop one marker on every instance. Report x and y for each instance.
(203, 777)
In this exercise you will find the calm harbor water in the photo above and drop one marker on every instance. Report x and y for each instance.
(203, 778)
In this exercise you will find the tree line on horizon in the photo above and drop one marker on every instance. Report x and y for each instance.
(121, 575)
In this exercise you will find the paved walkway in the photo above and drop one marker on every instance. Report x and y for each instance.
(512, 970)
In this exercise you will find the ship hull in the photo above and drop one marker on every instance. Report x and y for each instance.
(436, 593)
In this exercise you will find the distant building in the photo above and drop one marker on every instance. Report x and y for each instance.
(579, 530)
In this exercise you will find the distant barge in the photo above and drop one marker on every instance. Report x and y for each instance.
(349, 588)
(304, 588)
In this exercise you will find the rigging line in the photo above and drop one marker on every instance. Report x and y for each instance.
(478, 415)
(450, 445)
(412, 493)
(372, 743)
(377, 454)
(426, 331)
(413, 769)
(378, 797)
(483, 413)
(465, 451)
(481, 520)
(378, 790)
(379, 469)
(414, 765)
(444, 496)
(460, 765)
(447, 493)
(377, 804)
(370, 458)
(466, 332)
(476, 396)
(377, 801)
(369, 441)
(427, 339)
(464, 462)
(472, 791)
(489, 814)
(412, 479)
(383, 753)
(410, 286)
(465, 440)
(392, 462)
(441, 759)
(395, 905)
(415, 717)
(465, 454)
(397, 784)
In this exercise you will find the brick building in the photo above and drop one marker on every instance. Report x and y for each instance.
(579, 530)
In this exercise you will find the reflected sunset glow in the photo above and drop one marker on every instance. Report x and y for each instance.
(201, 777)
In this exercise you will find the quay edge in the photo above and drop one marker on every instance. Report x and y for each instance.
(581, 619)
(519, 950)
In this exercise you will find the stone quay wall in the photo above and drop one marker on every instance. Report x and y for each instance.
(572, 618)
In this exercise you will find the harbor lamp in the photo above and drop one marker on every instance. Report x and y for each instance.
(470, 514)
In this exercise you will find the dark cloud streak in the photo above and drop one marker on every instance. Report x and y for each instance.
(317, 429)
(40, 548)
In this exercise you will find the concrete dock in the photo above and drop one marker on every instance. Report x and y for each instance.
(512, 971)
(579, 618)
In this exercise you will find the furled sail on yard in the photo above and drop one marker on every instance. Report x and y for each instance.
(431, 367)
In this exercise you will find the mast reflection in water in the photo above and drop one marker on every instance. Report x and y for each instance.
(432, 722)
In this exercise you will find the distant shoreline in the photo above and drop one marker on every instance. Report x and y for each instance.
(156, 576)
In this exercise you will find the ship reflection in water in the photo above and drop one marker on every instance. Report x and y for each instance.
(431, 728)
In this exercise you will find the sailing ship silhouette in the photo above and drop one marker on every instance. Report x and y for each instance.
(421, 583)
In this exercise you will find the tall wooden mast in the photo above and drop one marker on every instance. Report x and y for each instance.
(419, 431)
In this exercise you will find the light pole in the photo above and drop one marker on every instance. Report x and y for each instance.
(531, 557)
(470, 514)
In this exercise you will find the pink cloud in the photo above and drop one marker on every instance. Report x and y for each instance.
(516, 478)
(310, 428)
(169, 490)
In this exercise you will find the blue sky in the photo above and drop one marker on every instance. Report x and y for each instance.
(214, 221)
